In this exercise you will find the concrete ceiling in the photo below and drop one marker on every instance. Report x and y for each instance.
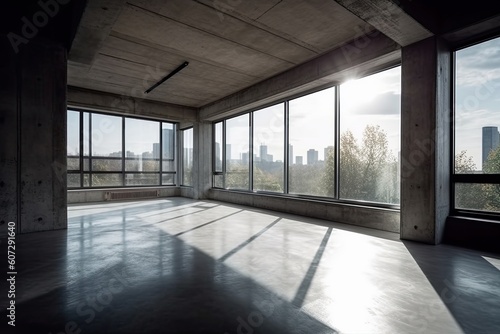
(124, 47)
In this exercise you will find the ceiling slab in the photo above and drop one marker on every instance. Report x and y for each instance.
(322, 24)
(389, 19)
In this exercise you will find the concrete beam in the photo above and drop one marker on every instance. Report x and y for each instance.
(425, 131)
(365, 53)
(388, 18)
(95, 26)
(89, 99)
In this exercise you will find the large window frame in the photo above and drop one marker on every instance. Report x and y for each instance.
(86, 174)
(464, 178)
(219, 174)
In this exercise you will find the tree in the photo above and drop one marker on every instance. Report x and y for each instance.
(467, 195)
(374, 154)
(492, 191)
(350, 166)
(367, 172)
(329, 173)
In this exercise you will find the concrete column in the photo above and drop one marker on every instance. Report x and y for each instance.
(202, 155)
(426, 136)
(33, 132)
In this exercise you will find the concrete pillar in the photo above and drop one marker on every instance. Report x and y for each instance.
(202, 155)
(33, 132)
(426, 136)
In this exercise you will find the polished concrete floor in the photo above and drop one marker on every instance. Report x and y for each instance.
(182, 266)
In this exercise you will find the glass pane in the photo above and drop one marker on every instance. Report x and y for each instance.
(312, 133)
(142, 145)
(370, 117)
(168, 166)
(73, 163)
(477, 138)
(218, 181)
(106, 135)
(142, 179)
(475, 196)
(218, 147)
(187, 157)
(86, 133)
(168, 141)
(269, 149)
(86, 180)
(73, 180)
(237, 149)
(86, 165)
(107, 180)
(168, 179)
(106, 165)
(73, 134)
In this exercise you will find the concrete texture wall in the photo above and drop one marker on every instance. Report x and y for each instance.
(33, 130)
(425, 131)
(365, 53)
(382, 219)
(89, 99)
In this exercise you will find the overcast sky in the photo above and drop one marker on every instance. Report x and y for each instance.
(477, 95)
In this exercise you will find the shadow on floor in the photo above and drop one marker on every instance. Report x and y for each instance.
(466, 283)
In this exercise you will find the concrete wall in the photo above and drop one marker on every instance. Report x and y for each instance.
(89, 99)
(364, 54)
(33, 130)
(426, 137)
(382, 219)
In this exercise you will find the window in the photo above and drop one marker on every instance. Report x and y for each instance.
(116, 151)
(218, 156)
(312, 139)
(187, 157)
(370, 117)
(237, 150)
(340, 143)
(73, 149)
(476, 124)
(268, 149)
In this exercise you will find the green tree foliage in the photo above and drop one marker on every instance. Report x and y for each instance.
(368, 171)
(477, 196)
(329, 173)
(492, 191)
(468, 195)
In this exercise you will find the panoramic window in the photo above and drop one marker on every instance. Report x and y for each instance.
(187, 157)
(477, 123)
(341, 143)
(218, 155)
(370, 135)
(311, 144)
(268, 149)
(237, 150)
(116, 151)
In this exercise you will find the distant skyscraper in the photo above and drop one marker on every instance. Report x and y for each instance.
(312, 156)
(228, 152)
(168, 144)
(298, 160)
(156, 150)
(263, 152)
(290, 154)
(491, 140)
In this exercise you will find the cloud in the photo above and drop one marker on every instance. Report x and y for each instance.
(384, 104)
